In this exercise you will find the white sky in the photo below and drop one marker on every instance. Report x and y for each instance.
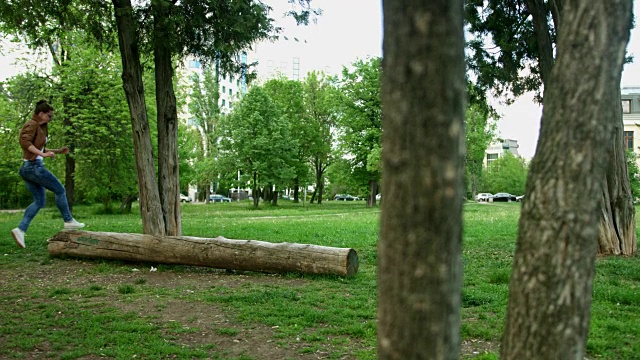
(351, 30)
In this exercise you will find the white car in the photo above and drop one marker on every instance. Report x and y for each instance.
(484, 196)
(185, 198)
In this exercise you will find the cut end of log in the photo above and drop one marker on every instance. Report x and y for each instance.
(352, 262)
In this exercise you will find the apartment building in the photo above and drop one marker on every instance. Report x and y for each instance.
(231, 86)
(631, 119)
(499, 148)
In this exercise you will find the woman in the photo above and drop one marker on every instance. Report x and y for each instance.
(33, 138)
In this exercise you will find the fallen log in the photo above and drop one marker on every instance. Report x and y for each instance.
(216, 252)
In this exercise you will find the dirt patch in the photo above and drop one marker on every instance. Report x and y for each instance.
(200, 323)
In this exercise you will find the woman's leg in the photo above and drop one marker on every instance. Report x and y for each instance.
(28, 173)
(51, 182)
(38, 202)
(43, 177)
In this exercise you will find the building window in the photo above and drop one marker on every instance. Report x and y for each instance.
(223, 102)
(224, 89)
(230, 92)
(491, 158)
(194, 64)
(626, 106)
(628, 140)
(230, 105)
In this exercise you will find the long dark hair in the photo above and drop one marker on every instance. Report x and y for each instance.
(42, 106)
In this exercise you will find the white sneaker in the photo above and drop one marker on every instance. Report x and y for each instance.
(73, 224)
(18, 235)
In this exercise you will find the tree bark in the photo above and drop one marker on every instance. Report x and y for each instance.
(538, 11)
(210, 252)
(617, 222)
(319, 168)
(551, 284)
(150, 209)
(69, 163)
(420, 249)
(168, 177)
(296, 190)
(373, 187)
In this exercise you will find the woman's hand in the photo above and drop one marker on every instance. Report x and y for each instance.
(48, 154)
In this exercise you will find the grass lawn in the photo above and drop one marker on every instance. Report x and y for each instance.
(72, 308)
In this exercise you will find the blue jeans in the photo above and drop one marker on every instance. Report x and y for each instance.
(39, 178)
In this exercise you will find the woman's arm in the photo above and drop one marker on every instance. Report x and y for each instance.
(62, 150)
(44, 154)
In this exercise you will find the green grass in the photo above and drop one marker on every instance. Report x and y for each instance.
(72, 308)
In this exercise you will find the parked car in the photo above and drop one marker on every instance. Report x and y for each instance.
(519, 198)
(218, 198)
(378, 197)
(503, 197)
(484, 196)
(344, 197)
(185, 198)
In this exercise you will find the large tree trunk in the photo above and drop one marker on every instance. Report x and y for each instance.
(168, 177)
(150, 209)
(214, 252)
(420, 249)
(617, 223)
(551, 284)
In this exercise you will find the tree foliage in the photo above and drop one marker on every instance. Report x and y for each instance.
(360, 123)
(287, 95)
(16, 107)
(321, 103)
(634, 174)
(255, 139)
(480, 127)
(506, 174)
(502, 46)
(101, 132)
(205, 113)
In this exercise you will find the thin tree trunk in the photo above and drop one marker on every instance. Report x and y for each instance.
(420, 249)
(373, 189)
(150, 209)
(320, 191)
(296, 192)
(319, 170)
(256, 191)
(538, 11)
(168, 177)
(313, 195)
(551, 284)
